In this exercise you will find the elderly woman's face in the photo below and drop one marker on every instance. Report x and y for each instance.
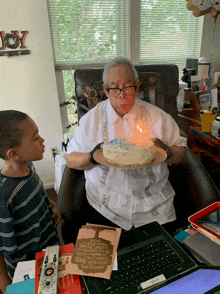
(121, 77)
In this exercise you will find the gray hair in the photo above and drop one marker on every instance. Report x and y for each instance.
(117, 61)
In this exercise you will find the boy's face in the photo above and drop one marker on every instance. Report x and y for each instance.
(32, 147)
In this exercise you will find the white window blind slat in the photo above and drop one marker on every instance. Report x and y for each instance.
(92, 32)
(88, 31)
(169, 33)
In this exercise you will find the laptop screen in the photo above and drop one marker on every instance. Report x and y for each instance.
(197, 282)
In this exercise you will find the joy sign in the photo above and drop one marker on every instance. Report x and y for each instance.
(12, 40)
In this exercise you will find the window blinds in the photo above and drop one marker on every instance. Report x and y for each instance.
(87, 31)
(169, 33)
(92, 32)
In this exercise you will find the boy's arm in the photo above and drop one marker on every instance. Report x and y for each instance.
(56, 212)
(4, 277)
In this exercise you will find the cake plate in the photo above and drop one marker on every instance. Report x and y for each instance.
(160, 156)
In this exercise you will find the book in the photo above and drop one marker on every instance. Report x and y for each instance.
(24, 287)
(67, 283)
(204, 248)
(95, 251)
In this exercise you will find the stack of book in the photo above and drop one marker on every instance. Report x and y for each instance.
(204, 242)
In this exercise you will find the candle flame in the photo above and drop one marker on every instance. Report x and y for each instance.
(141, 134)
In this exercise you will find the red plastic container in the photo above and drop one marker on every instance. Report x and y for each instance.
(200, 226)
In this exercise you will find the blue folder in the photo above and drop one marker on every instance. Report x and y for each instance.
(25, 287)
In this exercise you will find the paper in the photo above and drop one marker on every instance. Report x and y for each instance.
(95, 251)
(214, 93)
(212, 227)
(24, 270)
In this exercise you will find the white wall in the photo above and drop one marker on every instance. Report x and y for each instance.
(27, 83)
(208, 44)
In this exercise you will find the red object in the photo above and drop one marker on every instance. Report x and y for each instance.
(204, 143)
(201, 215)
(69, 283)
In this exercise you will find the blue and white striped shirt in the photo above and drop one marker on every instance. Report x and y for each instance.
(26, 219)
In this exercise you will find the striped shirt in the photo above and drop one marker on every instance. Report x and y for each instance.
(26, 219)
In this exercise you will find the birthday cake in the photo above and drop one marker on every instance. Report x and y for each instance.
(128, 152)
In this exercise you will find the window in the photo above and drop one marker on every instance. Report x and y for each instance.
(92, 32)
(88, 31)
(169, 33)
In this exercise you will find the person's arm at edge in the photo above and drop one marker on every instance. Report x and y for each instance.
(179, 154)
(56, 213)
(4, 277)
(78, 161)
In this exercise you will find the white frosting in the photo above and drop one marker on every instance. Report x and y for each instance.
(125, 152)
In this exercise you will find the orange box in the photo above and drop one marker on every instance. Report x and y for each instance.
(207, 120)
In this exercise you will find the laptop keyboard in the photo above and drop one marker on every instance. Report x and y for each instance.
(140, 265)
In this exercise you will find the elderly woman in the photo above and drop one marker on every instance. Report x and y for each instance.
(125, 197)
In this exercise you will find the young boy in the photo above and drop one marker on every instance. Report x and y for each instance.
(27, 225)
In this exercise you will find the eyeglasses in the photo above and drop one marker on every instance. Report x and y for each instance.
(130, 90)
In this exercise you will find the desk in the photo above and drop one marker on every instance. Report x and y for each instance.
(193, 111)
(189, 116)
(203, 143)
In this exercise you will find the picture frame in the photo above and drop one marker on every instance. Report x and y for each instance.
(196, 84)
(204, 100)
(217, 78)
(199, 94)
(205, 83)
(203, 69)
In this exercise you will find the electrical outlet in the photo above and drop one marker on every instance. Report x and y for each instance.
(54, 151)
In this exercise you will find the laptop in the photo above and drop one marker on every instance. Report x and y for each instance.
(151, 261)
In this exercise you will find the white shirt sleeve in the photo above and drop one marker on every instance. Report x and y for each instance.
(171, 133)
(88, 134)
(164, 127)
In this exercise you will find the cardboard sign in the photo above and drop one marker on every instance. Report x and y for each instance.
(95, 251)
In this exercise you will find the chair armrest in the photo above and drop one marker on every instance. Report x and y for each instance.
(72, 194)
(193, 186)
(183, 134)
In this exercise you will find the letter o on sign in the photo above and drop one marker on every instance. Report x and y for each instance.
(14, 39)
